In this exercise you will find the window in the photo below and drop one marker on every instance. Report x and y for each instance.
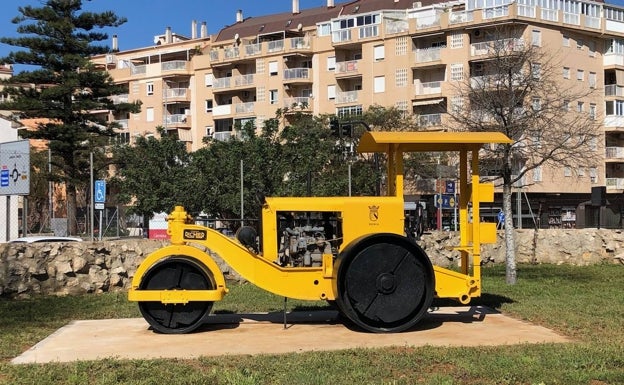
(457, 103)
(580, 75)
(566, 41)
(566, 105)
(536, 70)
(349, 111)
(536, 38)
(379, 84)
(208, 79)
(208, 105)
(591, 48)
(457, 40)
(580, 171)
(592, 111)
(331, 63)
(566, 72)
(209, 131)
(579, 106)
(614, 107)
(149, 114)
(536, 104)
(593, 175)
(592, 80)
(273, 96)
(579, 44)
(149, 88)
(324, 29)
(457, 71)
(331, 91)
(379, 52)
(273, 68)
(400, 46)
(537, 174)
(567, 171)
(357, 56)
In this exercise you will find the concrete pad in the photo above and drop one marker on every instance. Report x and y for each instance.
(264, 333)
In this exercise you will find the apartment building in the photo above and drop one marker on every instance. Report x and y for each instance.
(343, 58)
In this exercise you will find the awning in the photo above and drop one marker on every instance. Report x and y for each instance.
(185, 135)
(427, 102)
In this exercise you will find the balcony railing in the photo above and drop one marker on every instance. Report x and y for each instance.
(427, 21)
(119, 98)
(276, 46)
(614, 90)
(369, 31)
(347, 97)
(301, 102)
(299, 43)
(296, 73)
(253, 49)
(428, 120)
(214, 55)
(571, 18)
(243, 80)
(424, 55)
(346, 67)
(123, 123)
(461, 17)
(610, 59)
(244, 108)
(231, 53)
(615, 183)
(592, 22)
(614, 121)
(428, 88)
(175, 119)
(493, 46)
(494, 12)
(174, 93)
(138, 70)
(224, 109)
(224, 136)
(173, 65)
(550, 14)
(526, 10)
(614, 152)
(219, 83)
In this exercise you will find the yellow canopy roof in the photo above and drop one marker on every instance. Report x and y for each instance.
(429, 141)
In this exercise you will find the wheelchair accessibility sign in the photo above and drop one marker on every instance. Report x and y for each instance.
(99, 194)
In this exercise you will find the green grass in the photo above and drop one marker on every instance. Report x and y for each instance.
(585, 303)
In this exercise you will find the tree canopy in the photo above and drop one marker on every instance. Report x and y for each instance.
(65, 88)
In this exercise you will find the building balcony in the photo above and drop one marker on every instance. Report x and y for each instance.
(614, 153)
(347, 97)
(222, 110)
(176, 120)
(275, 46)
(299, 103)
(428, 55)
(224, 136)
(222, 83)
(294, 75)
(244, 108)
(243, 81)
(298, 44)
(486, 48)
(614, 121)
(429, 120)
(123, 123)
(460, 17)
(117, 99)
(253, 49)
(347, 36)
(613, 59)
(614, 183)
(138, 70)
(179, 66)
(614, 90)
(175, 94)
(427, 88)
(347, 69)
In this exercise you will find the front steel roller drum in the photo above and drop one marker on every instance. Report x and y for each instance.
(176, 273)
(385, 283)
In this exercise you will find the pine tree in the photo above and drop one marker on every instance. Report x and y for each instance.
(65, 88)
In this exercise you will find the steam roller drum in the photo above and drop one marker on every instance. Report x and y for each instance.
(385, 283)
(176, 273)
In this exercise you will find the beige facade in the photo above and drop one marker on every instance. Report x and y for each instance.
(344, 58)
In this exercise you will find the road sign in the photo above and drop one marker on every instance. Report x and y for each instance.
(100, 191)
(445, 201)
(15, 168)
(450, 187)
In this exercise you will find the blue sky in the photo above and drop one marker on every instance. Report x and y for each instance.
(147, 18)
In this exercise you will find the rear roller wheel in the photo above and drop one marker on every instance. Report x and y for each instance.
(175, 274)
(385, 283)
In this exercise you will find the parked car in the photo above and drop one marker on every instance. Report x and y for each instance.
(44, 238)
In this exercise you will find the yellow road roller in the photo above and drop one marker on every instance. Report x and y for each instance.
(352, 251)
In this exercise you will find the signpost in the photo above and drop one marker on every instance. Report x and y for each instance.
(100, 198)
(14, 180)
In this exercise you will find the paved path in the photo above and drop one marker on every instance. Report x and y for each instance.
(265, 333)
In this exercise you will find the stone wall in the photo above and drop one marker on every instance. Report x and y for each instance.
(93, 267)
